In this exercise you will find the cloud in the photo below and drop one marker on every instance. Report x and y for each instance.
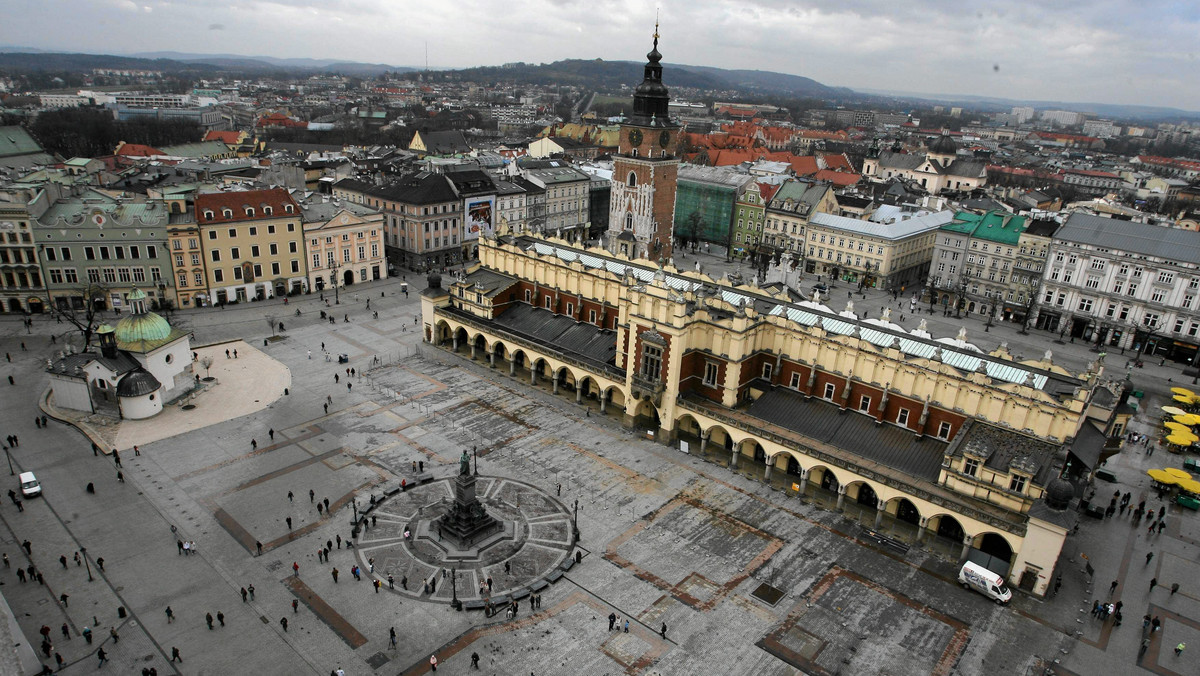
(1063, 50)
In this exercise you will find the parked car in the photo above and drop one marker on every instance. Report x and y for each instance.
(29, 485)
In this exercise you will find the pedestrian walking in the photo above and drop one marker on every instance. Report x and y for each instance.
(289, 522)
(66, 631)
(1174, 588)
(208, 619)
(103, 657)
(334, 572)
(254, 444)
(170, 615)
(136, 450)
(326, 501)
(87, 635)
(1112, 587)
(475, 661)
(326, 408)
(1149, 555)
(339, 541)
(175, 655)
(179, 546)
(283, 623)
(28, 547)
(295, 565)
(251, 590)
(376, 583)
(392, 582)
(271, 433)
(63, 598)
(1179, 648)
(311, 496)
(295, 606)
(392, 637)
(1153, 583)
(58, 661)
(62, 559)
(221, 618)
(259, 546)
(116, 457)
(244, 594)
(433, 662)
(100, 563)
(112, 633)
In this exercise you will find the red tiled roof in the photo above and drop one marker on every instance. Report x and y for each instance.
(768, 190)
(231, 138)
(1169, 162)
(1089, 172)
(136, 150)
(278, 199)
(840, 179)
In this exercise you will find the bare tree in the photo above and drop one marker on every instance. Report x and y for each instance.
(273, 322)
(81, 309)
(206, 361)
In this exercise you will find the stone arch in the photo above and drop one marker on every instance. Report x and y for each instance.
(948, 527)
(500, 350)
(460, 338)
(537, 368)
(517, 358)
(863, 493)
(996, 545)
(615, 396)
(828, 478)
(478, 345)
(793, 468)
(587, 387)
(719, 436)
(757, 450)
(443, 333)
(906, 511)
(645, 414)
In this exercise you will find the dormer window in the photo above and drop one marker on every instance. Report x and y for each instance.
(208, 214)
(1017, 483)
(267, 211)
(287, 208)
(250, 211)
(227, 213)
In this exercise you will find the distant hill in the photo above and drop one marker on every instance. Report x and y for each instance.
(601, 74)
(589, 73)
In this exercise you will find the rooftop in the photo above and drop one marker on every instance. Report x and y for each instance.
(897, 230)
(1165, 243)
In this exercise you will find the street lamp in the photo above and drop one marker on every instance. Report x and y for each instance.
(83, 550)
(334, 266)
(575, 521)
(454, 602)
(354, 506)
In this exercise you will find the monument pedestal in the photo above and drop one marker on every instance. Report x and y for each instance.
(466, 523)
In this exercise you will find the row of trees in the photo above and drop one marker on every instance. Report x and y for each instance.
(90, 132)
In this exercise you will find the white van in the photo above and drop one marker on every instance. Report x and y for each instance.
(29, 485)
(984, 581)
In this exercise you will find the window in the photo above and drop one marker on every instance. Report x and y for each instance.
(767, 370)
(902, 417)
(218, 276)
(548, 301)
(139, 275)
(1132, 289)
(1085, 304)
(1092, 283)
(182, 279)
(1166, 277)
(212, 234)
(254, 251)
(50, 255)
(651, 362)
(971, 467)
(232, 233)
(1150, 320)
(864, 404)
(943, 430)
(1097, 263)
(830, 390)
(274, 268)
(1017, 483)
(216, 255)
(528, 295)
(711, 370)
(70, 276)
(632, 180)
(795, 381)
(237, 272)
(316, 260)
(1157, 296)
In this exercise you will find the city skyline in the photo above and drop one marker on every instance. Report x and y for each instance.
(1068, 52)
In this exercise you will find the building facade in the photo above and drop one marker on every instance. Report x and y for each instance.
(566, 198)
(1124, 284)
(22, 289)
(705, 200)
(423, 213)
(187, 261)
(974, 262)
(254, 245)
(963, 450)
(645, 168)
(96, 248)
(343, 243)
(938, 169)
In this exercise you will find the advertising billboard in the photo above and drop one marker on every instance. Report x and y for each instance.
(480, 217)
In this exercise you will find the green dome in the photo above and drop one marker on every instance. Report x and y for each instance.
(147, 327)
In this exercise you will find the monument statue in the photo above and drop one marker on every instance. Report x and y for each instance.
(464, 464)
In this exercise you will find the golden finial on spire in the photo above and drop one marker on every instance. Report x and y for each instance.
(656, 24)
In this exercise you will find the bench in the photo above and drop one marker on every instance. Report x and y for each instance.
(423, 478)
(474, 605)
(886, 541)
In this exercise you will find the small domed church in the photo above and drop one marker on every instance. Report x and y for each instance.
(143, 363)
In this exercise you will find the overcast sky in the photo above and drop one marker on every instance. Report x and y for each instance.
(1112, 51)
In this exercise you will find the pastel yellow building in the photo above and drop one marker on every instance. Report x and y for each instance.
(253, 244)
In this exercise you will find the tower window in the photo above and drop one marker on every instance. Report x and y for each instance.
(632, 179)
(628, 221)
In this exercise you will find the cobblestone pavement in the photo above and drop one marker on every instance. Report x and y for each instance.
(747, 579)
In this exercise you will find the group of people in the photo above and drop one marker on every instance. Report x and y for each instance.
(186, 547)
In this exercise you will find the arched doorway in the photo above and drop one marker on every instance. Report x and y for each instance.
(759, 454)
(867, 497)
(908, 512)
(829, 481)
(348, 278)
(480, 346)
(793, 466)
(14, 305)
(36, 306)
(948, 527)
(460, 338)
(996, 546)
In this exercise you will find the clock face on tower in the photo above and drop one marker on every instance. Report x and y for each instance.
(635, 137)
(664, 139)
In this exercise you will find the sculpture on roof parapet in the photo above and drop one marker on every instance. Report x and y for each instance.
(923, 326)
(962, 334)
(887, 315)
(1048, 356)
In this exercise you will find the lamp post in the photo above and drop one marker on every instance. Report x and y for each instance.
(575, 521)
(335, 267)
(83, 550)
(454, 602)
(354, 506)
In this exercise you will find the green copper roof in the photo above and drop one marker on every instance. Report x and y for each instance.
(148, 328)
(994, 226)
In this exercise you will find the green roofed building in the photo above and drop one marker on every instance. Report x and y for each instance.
(975, 267)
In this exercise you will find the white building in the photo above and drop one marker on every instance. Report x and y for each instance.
(1022, 114)
(143, 363)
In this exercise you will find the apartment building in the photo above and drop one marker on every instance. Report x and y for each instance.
(254, 244)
